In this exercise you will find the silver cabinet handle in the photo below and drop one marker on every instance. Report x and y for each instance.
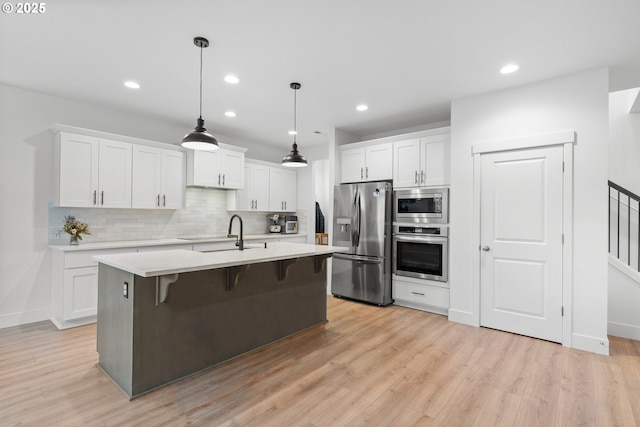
(218, 179)
(102, 198)
(164, 200)
(158, 200)
(256, 203)
(285, 205)
(95, 196)
(417, 293)
(416, 178)
(223, 176)
(361, 173)
(486, 248)
(422, 177)
(367, 169)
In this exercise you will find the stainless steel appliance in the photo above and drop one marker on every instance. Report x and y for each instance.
(422, 205)
(362, 216)
(421, 251)
(290, 224)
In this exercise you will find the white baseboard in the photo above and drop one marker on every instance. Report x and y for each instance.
(591, 344)
(465, 317)
(622, 330)
(23, 318)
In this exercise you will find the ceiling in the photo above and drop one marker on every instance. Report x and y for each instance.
(406, 59)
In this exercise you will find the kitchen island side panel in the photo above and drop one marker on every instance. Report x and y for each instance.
(115, 326)
(202, 323)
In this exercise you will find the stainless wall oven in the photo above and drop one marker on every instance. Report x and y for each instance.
(421, 251)
(430, 205)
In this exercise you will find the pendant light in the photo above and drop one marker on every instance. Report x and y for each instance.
(294, 159)
(199, 139)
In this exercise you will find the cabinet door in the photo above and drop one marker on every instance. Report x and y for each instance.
(114, 174)
(242, 199)
(261, 187)
(78, 180)
(232, 169)
(145, 177)
(379, 162)
(290, 189)
(203, 168)
(435, 160)
(352, 162)
(80, 292)
(172, 180)
(406, 163)
(276, 190)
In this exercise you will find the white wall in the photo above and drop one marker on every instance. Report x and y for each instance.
(25, 187)
(624, 169)
(624, 141)
(578, 102)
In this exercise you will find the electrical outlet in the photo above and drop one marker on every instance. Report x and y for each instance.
(125, 290)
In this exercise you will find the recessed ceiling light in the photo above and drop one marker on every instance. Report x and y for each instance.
(230, 114)
(293, 132)
(231, 79)
(131, 84)
(362, 107)
(509, 68)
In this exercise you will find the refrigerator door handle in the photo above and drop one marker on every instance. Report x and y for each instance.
(359, 258)
(359, 211)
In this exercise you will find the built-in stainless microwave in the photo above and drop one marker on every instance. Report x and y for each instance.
(422, 205)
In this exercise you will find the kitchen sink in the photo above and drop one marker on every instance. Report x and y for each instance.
(196, 238)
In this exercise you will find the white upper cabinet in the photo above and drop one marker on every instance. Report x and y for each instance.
(158, 178)
(91, 172)
(255, 194)
(366, 162)
(282, 190)
(421, 162)
(172, 183)
(223, 168)
(267, 189)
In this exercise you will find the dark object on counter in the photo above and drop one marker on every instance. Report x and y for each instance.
(319, 219)
(240, 239)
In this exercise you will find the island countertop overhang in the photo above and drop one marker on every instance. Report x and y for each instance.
(150, 264)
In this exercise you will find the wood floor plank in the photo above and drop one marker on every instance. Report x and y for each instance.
(367, 365)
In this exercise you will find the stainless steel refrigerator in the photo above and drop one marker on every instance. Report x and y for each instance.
(362, 215)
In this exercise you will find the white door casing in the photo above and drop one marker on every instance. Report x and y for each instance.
(521, 238)
(566, 140)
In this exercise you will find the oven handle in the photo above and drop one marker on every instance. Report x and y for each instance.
(419, 239)
(359, 258)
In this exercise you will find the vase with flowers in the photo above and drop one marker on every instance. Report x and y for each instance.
(75, 229)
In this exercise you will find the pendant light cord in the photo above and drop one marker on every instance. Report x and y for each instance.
(200, 81)
(295, 110)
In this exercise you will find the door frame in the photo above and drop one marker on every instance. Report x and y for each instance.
(566, 139)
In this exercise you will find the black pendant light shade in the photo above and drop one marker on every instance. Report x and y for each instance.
(294, 159)
(200, 139)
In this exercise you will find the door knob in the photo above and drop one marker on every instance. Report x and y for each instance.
(486, 248)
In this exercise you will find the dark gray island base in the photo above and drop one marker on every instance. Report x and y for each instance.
(163, 330)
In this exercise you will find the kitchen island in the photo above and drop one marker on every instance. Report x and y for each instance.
(165, 315)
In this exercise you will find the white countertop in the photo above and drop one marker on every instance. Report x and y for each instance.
(187, 240)
(150, 264)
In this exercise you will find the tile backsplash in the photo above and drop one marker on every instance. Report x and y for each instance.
(205, 214)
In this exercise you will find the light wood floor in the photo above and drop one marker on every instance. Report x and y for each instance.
(367, 366)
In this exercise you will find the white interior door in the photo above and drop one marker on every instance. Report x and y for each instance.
(521, 242)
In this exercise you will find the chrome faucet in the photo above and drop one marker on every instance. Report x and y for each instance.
(239, 241)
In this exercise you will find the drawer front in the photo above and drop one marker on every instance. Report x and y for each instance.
(80, 259)
(421, 294)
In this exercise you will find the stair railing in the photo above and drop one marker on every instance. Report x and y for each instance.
(617, 209)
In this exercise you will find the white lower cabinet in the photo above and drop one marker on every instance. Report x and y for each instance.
(80, 295)
(425, 295)
(74, 286)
